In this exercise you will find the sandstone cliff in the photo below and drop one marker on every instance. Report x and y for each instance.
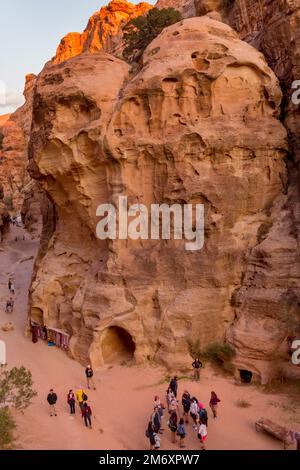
(103, 32)
(197, 124)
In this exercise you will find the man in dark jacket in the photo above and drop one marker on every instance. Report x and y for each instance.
(52, 400)
(89, 377)
(87, 413)
(197, 364)
(174, 386)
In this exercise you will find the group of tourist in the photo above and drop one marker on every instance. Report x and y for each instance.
(179, 416)
(9, 308)
(80, 396)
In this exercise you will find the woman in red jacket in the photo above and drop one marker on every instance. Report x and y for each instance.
(214, 400)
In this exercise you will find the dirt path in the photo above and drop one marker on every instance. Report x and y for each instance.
(123, 401)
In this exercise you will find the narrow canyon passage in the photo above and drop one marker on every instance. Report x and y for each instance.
(123, 401)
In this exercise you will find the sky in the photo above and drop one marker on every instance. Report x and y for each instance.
(29, 35)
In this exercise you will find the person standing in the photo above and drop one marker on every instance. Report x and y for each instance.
(89, 373)
(174, 386)
(202, 434)
(186, 404)
(12, 288)
(197, 364)
(173, 422)
(170, 397)
(87, 414)
(9, 285)
(71, 401)
(214, 400)
(194, 409)
(181, 433)
(151, 435)
(156, 421)
(52, 400)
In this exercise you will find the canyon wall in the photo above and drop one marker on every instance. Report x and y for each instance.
(103, 31)
(199, 123)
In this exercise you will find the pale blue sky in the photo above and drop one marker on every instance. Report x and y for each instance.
(30, 31)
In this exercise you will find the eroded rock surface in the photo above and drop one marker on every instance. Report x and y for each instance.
(198, 124)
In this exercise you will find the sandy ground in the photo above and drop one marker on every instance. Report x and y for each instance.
(123, 401)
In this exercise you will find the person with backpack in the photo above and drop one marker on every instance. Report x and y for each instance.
(181, 433)
(186, 404)
(81, 398)
(174, 386)
(87, 415)
(203, 415)
(156, 421)
(214, 400)
(202, 434)
(173, 421)
(197, 364)
(150, 435)
(194, 410)
(89, 373)
(71, 401)
(52, 400)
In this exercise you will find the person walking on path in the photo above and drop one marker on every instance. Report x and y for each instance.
(194, 409)
(158, 404)
(174, 386)
(71, 401)
(203, 415)
(52, 400)
(89, 373)
(186, 404)
(12, 288)
(170, 397)
(81, 398)
(202, 435)
(151, 435)
(181, 433)
(197, 364)
(156, 421)
(214, 400)
(9, 306)
(87, 415)
(9, 285)
(173, 422)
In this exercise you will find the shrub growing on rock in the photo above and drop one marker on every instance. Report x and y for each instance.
(141, 31)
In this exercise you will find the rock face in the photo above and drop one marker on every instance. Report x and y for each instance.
(267, 304)
(197, 124)
(3, 213)
(103, 32)
(21, 194)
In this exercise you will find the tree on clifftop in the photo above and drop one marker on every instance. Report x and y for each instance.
(140, 31)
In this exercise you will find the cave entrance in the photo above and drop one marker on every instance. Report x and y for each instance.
(246, 376)
(118, 346)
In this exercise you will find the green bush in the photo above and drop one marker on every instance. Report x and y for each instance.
(220, 354)
(194, 348)
(8, 201)
(7, 426)
(141, 31)
(15, 392)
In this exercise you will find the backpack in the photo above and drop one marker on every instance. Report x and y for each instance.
(84, 397)
(203, 414)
